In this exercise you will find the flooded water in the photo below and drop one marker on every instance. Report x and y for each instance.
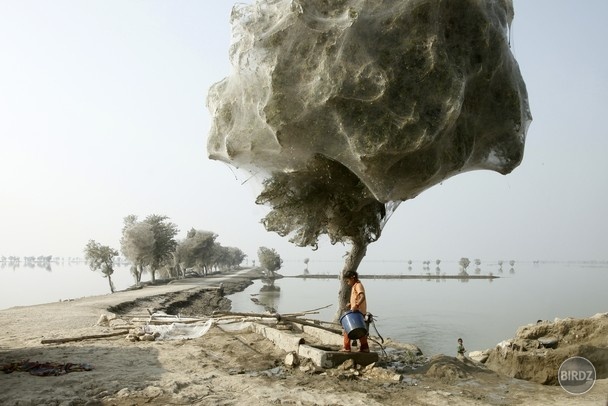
(434, 313)
(28, 285)
(430, 313)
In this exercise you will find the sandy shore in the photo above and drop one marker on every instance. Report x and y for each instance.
(222, 367)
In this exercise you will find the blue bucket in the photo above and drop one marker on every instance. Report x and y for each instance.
(354, 324)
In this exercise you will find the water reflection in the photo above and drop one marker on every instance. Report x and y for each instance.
(464, 278)
(14, 265)
(46, 263)
(269, 295)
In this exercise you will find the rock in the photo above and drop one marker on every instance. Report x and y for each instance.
(369, 367)
(123, 393)
(548, 342)
(412, 348)
(103, 320)
(522, 344)
(348, 364)
(312, 369)
(139, 332)
(479, 356)
(292, 360)
(409, 381)
(152, 392)
(381, 374)
(504, 346)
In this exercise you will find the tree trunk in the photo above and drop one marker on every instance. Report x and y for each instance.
(111, 284)
(140, 271)
(352, 262)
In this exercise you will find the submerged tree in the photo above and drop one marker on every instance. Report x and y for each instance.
(325, 198)
(101, 258)
(270, 260)
(464, 264)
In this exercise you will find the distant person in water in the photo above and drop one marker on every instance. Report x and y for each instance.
(460, 348)
(357, 302)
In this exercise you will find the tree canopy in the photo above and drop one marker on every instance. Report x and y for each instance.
(201, 251)
(325, 198)
(149, 243)
(164, 241)
(101, 258)
(197, 249)
(270, 260)
(137, 244)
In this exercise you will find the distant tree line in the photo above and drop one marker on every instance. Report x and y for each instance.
(29, 259)
(151, 247)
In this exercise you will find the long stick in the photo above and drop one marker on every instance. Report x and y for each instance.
(305, 323)
(276, 315)
(266, 315)
(318, 308)
(67, 340)
(283, 318)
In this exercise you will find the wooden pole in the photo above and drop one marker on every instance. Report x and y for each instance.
(89, 337)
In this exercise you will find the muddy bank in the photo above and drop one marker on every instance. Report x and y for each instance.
(196, 301)
(538, 350)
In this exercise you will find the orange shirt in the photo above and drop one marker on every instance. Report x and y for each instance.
(355, 290)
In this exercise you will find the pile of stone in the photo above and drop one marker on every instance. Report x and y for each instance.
(537, 350)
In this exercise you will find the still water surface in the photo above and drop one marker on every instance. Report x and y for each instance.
(433, 313)
(429, 313)
(29, 285)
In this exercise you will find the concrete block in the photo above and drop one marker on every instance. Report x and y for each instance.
(284, 340)
(331, 359)
(324, 336)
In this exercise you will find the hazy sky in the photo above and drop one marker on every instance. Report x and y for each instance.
(103, 114)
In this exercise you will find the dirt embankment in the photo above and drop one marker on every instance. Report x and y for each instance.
(537, 351)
